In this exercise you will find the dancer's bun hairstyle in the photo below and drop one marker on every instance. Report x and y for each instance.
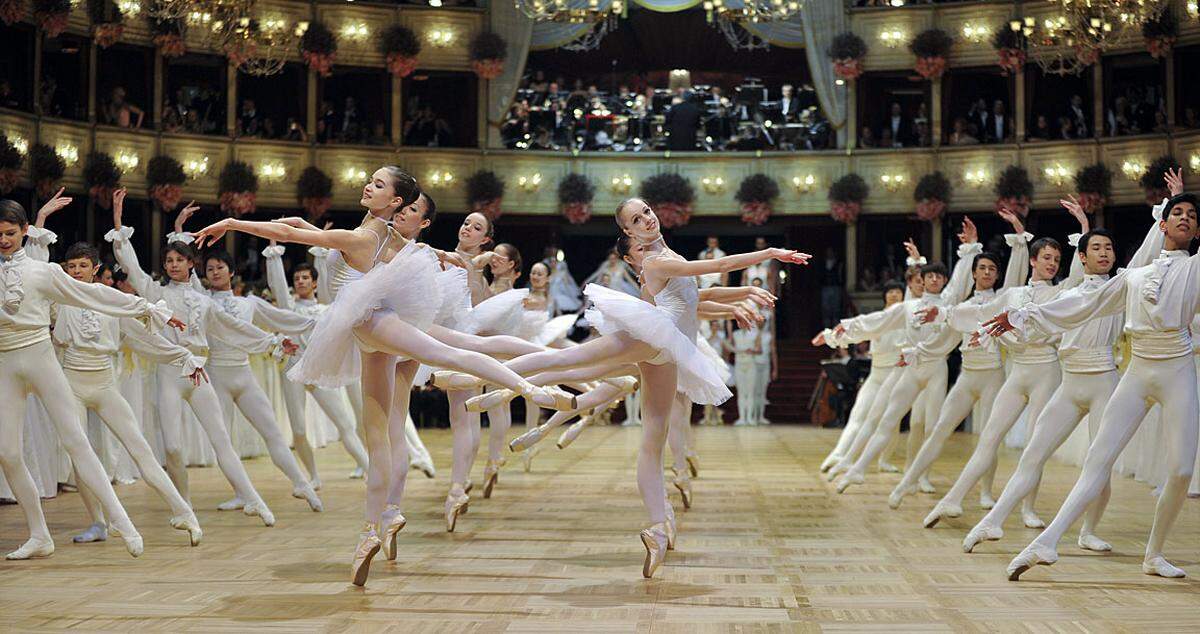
(404, 185)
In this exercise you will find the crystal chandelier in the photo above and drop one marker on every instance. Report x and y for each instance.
(571, 11)
(753, 11)
(261, 48)
(1083, 30)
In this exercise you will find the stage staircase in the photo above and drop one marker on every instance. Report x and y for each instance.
(799, 368)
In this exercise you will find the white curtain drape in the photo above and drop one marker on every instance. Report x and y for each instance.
(516, 29)
(824, 20)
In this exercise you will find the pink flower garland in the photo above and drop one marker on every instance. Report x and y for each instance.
(1012, 60)
(930, 209)
(488, 68)
(170, 45)
(108, 33)
(401, 65)
(238, 204)
(849, 68)
(9, 178)
(757, 213)
(489, 208)
(1159, 47)
(931, 67)
(1019, 205)
(167, 196)
(577, 213)
(53, 23)
(320, 62)
(1092, 202)
(673, 214)
(1087, 55)
(845, 212)
(11, 11)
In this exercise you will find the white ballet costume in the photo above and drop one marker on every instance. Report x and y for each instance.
(744, 342)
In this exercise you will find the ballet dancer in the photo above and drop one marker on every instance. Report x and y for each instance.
(660, 339)
(28, 364)
(304, 304)
(923, 360)
(89, 341)
(375, 319)
(1158, 301)
(205, 323)
(1035, 373)
(1089, 378)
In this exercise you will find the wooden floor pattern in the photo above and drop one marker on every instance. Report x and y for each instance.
(768, 547)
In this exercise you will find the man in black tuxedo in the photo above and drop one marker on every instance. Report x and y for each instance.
(899, 126)
(682, 122)
(997, 125)
(1078, 117)
(789, 105)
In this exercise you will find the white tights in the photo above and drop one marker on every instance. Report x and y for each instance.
(972, 386)
(1028, 388)
(173, 390)
(35, 368)
(1079, 395)
(1172, 384)
(97, 391)
(237, 388)
(415, 447)
(927, 375)
(746, 375)
(678, 435)
(870, 390)
(330, 402)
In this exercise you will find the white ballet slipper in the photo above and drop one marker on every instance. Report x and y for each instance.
(527, 458)
(1031, 520)
(490, 400)
(573, 432)
(887, 467)
(259, 509)
(1091, 542)
(925, 486)
(940, 511)
(627, 384)
(95, 533)
(836, 470)
(1161, 567)
(424, 466)
(306, 493)
(358, 474)
(315, 483)
(896, 497)
(830, 460)
(188, 522)
(529, 438)
(850, 478)
(986, 501)
(980, 533)
(552, 397)
(232, 504)
(133, 540)
(448, 380)
(1033, 555)
(32, 549)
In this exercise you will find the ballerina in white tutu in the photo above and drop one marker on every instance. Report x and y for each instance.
(387, 313)
(660, 339)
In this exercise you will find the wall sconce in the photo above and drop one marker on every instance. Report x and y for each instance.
(301, 28)
(805, 184)
(68, 152)
(355, 31)
(272, 172)
(19, 142)
(195, 168)
(199, 18)
(975, 34)
(435, 3)
(440, 179)
(440, 37)
(273, 24)
(1057, 174)
(1133, 170)
(1024, 26)
(891, 38)
(354, 175)
(127, 161)
(713, 184)
(975, 178)
(892, 182)
(530, 184)
(1193, 8)
(1193, 160)
(129, 7)
(621, 184)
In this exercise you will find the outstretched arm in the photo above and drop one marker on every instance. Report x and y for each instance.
(1069, 310)
(670, 267)
(1017, 272)
(340, 239)
(730, 294)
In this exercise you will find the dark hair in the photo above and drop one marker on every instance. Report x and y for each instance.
(119, 276)
(430, 207)
(893, 285)
(82, 250)
(1086, 238)
(183, 249)
(623, 245)
(514, 255)
(1035, 249)
(403, 185)
(986, 255)
(223, 257)
(912, 271)
(936, 268)
(305, 266)
(12, 211)
(1183, 198)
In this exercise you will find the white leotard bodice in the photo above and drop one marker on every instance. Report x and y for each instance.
(679, 298)
(341, 273)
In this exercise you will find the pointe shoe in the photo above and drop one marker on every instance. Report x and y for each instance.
(849, 479)
(554, 398)
(529, 438)
(392, 523)
(455, 506)
(655, 541)
(980, 533)
(627, 384)
(986, 501)
(1033, 555)
(315, 483)
(358, 474)
(368, 547)
(685, 490)
(467, 487)
(940, 511)
(232, 504)
(1091, 542)
(424, 466)
(491, 474)
(896, 497)
(1031, 520)
(573, 432)
(693, 462)
(830, 460)
(490, 400)
(188, 522)
(32, 549)
(95, 533)
(527, 458)
(259, 509)
(447, 380)
(133, 541)
(887, 467)
(306, 492)
(672, 528)
(925, 486)
(1161, 567)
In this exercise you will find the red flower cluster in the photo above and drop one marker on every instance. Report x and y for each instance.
(931, 67)
(320, 62)
(930, 209)
(1019, 205)
(400, 65)
(9, 178)
(489, 208)
(1092, 202)
(845, 212)
(1159, 47)
(170, 45)
(167, 196)
(1087, 55)
(53, 23)
(1012, 60)
(238, 204)
(849, 68)
(11, 11)
(673, 214)
(577, 213)
(756, 213)
(488, 68)
(316, 207)
(108, 33)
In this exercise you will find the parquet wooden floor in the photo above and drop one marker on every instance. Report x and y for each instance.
(768, 547)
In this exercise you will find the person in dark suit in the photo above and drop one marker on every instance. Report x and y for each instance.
(899, 126)
(682, 122)
(789, 105)
(997, 125)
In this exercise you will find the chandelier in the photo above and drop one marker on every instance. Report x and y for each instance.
(753, 11)
(1074, 39)
(261, 48)
(571, 11)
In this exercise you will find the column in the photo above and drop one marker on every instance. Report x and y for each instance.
(851, 114)
(311, 97)
(851, 256)
(159, 79)
(1172, 90)
(92, 71)
(935, 113)
(939, 250)
(231, 100)
(486, 131)
(1098, 98)
(397, 110)
(156, 234)
(1020, 108)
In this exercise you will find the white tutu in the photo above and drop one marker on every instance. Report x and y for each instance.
(614, 311)
(455, 310)
(501, 314)
(555, 329)
(715, 358)
(407, 286)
